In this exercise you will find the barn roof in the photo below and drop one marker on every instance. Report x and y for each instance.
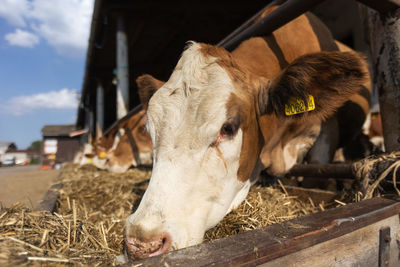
(157, 33)
(58, 130)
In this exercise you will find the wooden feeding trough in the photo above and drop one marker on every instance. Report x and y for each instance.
(359, 234)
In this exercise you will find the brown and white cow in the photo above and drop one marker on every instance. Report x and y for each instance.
(134, 147)
(220, 119)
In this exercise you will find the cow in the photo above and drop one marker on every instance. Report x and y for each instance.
(223, 117)
(84, 155)
(373, 128)
(134, 147)
(105, 144)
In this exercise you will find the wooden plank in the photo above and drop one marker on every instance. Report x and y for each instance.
(384, 32)
(50, 198)
(317, 195)
(269, 243)
(357, 248)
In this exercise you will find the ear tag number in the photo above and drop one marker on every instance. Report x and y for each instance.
(296, 106)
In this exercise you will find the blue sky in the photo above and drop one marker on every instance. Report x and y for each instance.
(42, 57)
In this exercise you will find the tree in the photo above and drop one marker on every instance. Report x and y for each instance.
(36, 145)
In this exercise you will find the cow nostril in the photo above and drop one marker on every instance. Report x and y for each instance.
(137, 249)
(164, 246)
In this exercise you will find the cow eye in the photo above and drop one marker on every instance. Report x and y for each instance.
(228, 129)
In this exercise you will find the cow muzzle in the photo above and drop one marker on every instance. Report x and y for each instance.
(139, 249)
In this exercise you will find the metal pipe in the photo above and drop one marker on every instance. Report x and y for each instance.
(288, 11)
(249, 22)
(323, 170)
(122, 69)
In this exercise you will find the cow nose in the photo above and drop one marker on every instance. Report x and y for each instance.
(137, 249)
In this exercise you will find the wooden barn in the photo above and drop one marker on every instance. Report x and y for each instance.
(128, 39)
(58, 147)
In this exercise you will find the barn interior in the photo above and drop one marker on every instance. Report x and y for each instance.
(156, 33)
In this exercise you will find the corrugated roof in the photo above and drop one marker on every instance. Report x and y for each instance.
(58, 130)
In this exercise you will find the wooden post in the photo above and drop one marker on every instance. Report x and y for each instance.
(100, 110)
(122, 69)
(384, 37)
(91, 126)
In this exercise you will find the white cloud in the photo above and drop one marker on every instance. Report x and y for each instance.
(62, 99)
(64, 24)
(14, 11)
(22, 38)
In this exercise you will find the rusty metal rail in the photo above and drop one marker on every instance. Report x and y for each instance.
(287, 11)
(323, 170)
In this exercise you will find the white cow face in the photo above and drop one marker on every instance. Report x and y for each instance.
(197, 148)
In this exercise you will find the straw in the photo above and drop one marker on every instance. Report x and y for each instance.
(87, 228)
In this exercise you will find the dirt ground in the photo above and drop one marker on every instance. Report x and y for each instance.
(26, 184)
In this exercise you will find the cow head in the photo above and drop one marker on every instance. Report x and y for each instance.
(87, 154)
(133, 150)
(136, 149)
(214, 125)
(101, 148)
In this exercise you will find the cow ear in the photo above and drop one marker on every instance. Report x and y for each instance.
(147, 86)
(314, 85)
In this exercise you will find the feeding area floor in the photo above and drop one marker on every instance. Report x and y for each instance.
(87, 225)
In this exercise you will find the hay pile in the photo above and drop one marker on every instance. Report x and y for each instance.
(87, 227)
(262, 207)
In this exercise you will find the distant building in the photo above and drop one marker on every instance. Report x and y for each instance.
(16, 157)
(58, 145)
(4, 148)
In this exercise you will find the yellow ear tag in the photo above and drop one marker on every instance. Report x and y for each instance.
(90, 160)
(296, 106)
(102, 155)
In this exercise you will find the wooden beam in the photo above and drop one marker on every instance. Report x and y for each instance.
(122, 69)
(99, 110)
(384, 37)
(49, 201)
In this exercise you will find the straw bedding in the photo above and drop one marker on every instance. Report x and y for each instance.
(87, 226)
